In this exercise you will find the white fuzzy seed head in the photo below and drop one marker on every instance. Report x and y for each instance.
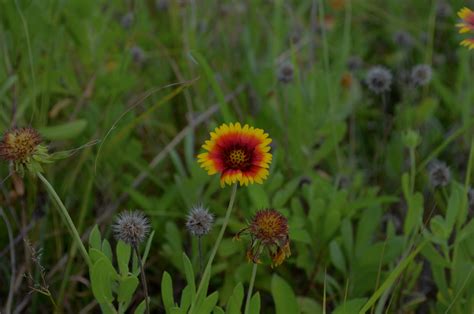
(379, 79)
(199, 221)
(132, 227)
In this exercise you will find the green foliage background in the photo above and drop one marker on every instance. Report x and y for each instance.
(368, 231)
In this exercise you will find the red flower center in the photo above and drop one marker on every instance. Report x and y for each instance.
(237, 158)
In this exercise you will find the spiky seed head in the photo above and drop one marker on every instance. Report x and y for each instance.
(19, 144)
(403, 39)
(132, 227)
(199, 221)
(354, 63)
(378, 79)
(286, 73)
(421, 74)
(439, 174)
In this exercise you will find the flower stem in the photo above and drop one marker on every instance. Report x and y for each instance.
(216, 246)
(67, 219)
(142, 274)
(251, 284)
(200, 255)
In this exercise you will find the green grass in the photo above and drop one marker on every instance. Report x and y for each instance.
(368, 230)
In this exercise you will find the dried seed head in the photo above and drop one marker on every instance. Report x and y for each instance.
(19, 144)
(199, 221)
(421, 74)
(403, 39)
(378, 79)
(132, 227)
(268, 230)
(286, 73)
(439, 174)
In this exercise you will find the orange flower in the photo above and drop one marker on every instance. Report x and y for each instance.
(268, 230)
(238, 154)
(467, 24)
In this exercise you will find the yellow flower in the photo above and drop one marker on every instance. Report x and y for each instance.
(238, 154)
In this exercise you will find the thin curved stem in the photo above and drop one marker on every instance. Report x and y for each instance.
(67, 219)
(143, 277)
(216, 246)
(251, 284)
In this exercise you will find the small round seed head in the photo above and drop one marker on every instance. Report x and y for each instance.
(378, 79)
(286, 73)
(439, 174)
(19, 144)
(132, 227)
(421, 74)
(127, 20)
(403, 39)
(138, 55)
(199, 221)
(443, 9)
(354, 63)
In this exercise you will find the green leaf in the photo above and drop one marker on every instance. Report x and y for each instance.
(284, 194)
(95, 238)
(415, 213)
(107, 249)
(350, 306)
(140, 308)
(167, 291)
(283, 296)
(123, 252)
(211, 79)
(186, 296)
(209, 303)
(309, 306)
(126, 288)
(337, 257)
(234, 304)
(188, 270)
(391, 278)
(102, 277)
(63, 131)
(218, 310)
(96, 255)
(254, 307)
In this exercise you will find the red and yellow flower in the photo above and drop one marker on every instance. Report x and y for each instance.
(268, 231)
(466, 26)
(467, 17)
(238, 154)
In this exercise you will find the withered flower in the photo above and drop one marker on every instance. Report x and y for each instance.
(22, 147)
(268, 231)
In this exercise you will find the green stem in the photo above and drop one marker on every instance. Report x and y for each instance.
(67, 219)
(143, 277)
(216, 246)
(249, 293)
(412, 169)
